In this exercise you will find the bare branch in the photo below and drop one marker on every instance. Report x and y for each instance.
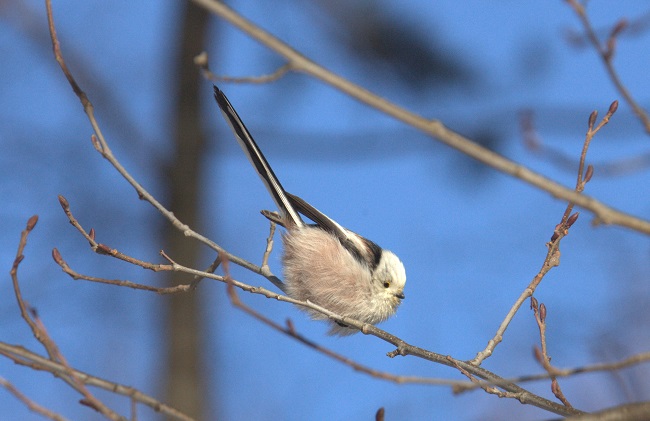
(30, 359)
(30, 404)
(606, 52)
(40, 333)
(561, 230)
(606, 168)
(290, 331)
(604, 214)
(201, 61)
(542, 356)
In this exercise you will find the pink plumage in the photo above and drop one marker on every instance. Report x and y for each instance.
(325, 263)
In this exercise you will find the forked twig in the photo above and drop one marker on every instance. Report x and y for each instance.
(606, 51)
(606, 168)
(30, 316)
(561, 230)
(30, 359)
(541, 355)
(29, 403)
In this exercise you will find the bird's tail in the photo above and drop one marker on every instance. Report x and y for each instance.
(255, 156)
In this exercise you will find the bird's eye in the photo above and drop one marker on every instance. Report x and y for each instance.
(386, 284)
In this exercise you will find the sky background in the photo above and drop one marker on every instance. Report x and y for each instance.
(471, 238)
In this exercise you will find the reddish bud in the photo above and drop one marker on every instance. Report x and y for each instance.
(533, 303)
(589, 173)
(618, 28)
(103, 249)
(64, 203)
(57, 256)
(91, 234)
(96, 144)
(537, 353)
(572, 219)
(613, 107)
(31, 222)
(380, 415)
(542, 312)
(555, 387)
(592, 119)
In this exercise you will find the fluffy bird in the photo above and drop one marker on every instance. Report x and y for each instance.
(324, 263)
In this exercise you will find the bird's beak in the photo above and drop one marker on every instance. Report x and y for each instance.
(400, 295)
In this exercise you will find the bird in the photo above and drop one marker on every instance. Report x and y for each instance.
(324, 263)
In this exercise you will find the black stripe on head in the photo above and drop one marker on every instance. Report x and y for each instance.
(375, 253)
(370, 256)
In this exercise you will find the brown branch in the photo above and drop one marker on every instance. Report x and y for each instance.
(290, 331)
(102, 249)
(40, 333)
(552, 258)
(118, 282)
(201, 60)
(641, 358)
(24, 312)
(604, 214)
(402, 348)
(542, 356)
(25, 357)
(30, 404)
(489, 388)
(101, 145)
(606, 52)
(606, 168)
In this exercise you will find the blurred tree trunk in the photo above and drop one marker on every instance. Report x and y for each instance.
(185, 378)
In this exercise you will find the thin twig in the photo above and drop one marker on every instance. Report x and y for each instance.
(606, 51)
(101, 145)
(210, 269)
(606, 168)
(25, 357)
(40, 333)
(29, 403)
(541, 355)
(118, 282)
(641, 358)
(201, 60)
(552, 258)
(24, 311)
(266, 270)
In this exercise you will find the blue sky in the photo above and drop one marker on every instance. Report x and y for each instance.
(471, 239)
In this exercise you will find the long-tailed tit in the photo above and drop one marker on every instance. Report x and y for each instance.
(325, 263)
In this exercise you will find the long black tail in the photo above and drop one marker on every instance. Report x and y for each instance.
(256, 158)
